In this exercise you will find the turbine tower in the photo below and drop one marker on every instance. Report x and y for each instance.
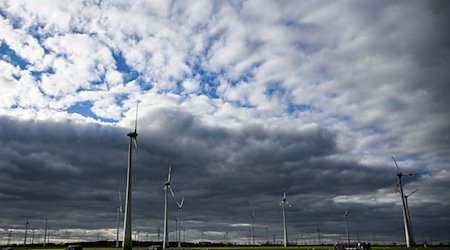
(167, 188)
(179, 206)
(127, 240)
(119, 214)
(283, 204)
(407, 208)
(409, 236)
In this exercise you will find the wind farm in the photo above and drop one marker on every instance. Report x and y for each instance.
(330, 241)
(178, 243)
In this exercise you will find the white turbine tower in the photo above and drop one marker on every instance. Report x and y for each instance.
(167, 188)
(407, 208)
(179, 206)
(283, 204)
(127, 240)
(409, 236)
(119, 214)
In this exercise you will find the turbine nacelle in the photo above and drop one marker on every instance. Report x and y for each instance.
(167, 183)
(284, 201)
(133, 134)
(399, 172)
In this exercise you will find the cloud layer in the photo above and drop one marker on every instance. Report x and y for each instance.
(242, 99)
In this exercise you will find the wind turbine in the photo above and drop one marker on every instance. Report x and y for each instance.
(409, 236)
(253, 225)
(127, 240)
(119, 214)
(179, 206)
(346, 225)
(167, 188)
(283, 204)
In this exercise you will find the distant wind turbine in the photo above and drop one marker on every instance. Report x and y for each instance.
(253, 225)
(167, 188)
(409, 236)
(9, 237)
(119, 214)
(179, 206)
(283, 204)
(127, 240)
(346, 225)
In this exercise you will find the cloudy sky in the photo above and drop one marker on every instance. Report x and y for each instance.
(241, 99)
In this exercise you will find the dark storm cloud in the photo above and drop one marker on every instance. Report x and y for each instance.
(74, 172)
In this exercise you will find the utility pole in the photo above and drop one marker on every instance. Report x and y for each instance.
(45, 233)
(318, 235)
(159, 234)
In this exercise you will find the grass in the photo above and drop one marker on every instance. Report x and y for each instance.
(251, 248)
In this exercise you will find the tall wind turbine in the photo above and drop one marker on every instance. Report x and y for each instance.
(409, 236)
(167, 188)
(179, 206)
(283, 204)
(127, 240)
(119, 214)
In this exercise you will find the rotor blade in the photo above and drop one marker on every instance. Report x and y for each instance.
(284, 193)
(412, 174)
(168, 176)
(135, 122)
(412, 192)
(398, 169)
(120, 203)
(171, 191)
(136, 148)
(180, 204)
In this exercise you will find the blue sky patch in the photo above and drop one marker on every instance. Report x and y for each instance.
(209, 81)
(84, 109)
(298, 108)
(129, 74)
(10, 56)
(37, 75)
(274, 89)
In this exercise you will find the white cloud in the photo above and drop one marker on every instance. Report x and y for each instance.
(191, 85)
(78, 60)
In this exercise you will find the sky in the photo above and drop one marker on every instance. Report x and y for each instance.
(242, 99)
